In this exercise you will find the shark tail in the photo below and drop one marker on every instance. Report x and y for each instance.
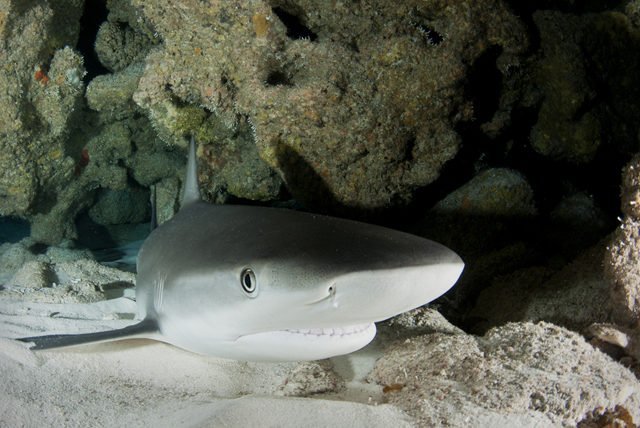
(144, 329)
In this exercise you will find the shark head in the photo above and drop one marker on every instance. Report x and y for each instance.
(253, 283)
(267, 284)
(257, 283)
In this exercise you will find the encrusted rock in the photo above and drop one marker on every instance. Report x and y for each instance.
(560, 132)
(497, 192)
(622, 259)
(421, 320)
(582, 57)
(34, 274)
(111, 94)
(119, 46)
(576, 223)
(630, 189)
(311, 378)
(40, 94)
(575, 296)
(521, 374)
(622, 265)
(359, 109)
(121, 206)
(484, 220)
(77, 281)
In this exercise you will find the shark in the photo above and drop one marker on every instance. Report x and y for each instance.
(256, 283)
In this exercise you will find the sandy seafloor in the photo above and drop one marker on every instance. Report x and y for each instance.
(146, 383)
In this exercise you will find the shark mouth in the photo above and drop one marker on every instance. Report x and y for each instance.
(333, 331)
(302, 344)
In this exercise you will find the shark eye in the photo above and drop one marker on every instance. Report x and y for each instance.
(249, 282)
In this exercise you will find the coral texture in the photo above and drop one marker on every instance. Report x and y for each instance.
(358, 107)
(41, 92)
(622, 260)
(517, 375)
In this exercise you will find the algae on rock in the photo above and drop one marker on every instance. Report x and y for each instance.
(583, 77)
(520, 374)
(622, 258)
(361, 107)
(40, 96)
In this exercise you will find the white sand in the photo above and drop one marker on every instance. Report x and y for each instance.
(145, 383)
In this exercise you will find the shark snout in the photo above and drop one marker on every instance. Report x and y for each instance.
(375, 295)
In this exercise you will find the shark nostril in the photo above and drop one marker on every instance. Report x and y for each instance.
(332, 295)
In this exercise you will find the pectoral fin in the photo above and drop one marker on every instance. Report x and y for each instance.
(143, 329)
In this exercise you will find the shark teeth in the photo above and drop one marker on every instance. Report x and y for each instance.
(334, 331)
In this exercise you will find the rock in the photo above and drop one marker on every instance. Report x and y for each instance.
(560, 132)
(610, 334)
(480, 215)
(237, 169)
(311, 378)
(486, 222)
(60, 254)
(630, 189)
(150, 167)
(622, 258)
(14, 256)
(622, 267)
(168, 195)
(34, 274)
(118, 46)
(80, 270)
(576, 223)
(497, 192)
(575, 296)
(360, 109)
(121, 206)
(422, 320)
(520, 374)
(620, 343)
(76, 281)
(582, 57)
(616, 417)
(41, 94)
(111, 94)
(632, 10)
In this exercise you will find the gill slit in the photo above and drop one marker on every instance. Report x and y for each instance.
(158, 295)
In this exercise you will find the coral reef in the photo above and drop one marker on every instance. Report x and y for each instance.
(566, 126)
(521, 374)
(389, 74)
(579, 79)
(77, 281)
(111, 94)
(120, 206)
(575, 297)
(311, 378)
(41, 93)
(118, 47)
(622, 260)
(479, 215)
(484, 220)
(495, 127)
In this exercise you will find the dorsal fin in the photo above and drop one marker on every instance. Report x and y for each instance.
(191, 192)
(154, 208)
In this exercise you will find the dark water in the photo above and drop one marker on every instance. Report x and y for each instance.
(13, 229)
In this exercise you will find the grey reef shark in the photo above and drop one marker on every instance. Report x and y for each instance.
(268, 284)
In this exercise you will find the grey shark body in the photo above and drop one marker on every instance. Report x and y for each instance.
(256, 283)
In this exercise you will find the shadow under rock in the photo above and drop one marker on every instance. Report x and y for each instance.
(313, 193)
